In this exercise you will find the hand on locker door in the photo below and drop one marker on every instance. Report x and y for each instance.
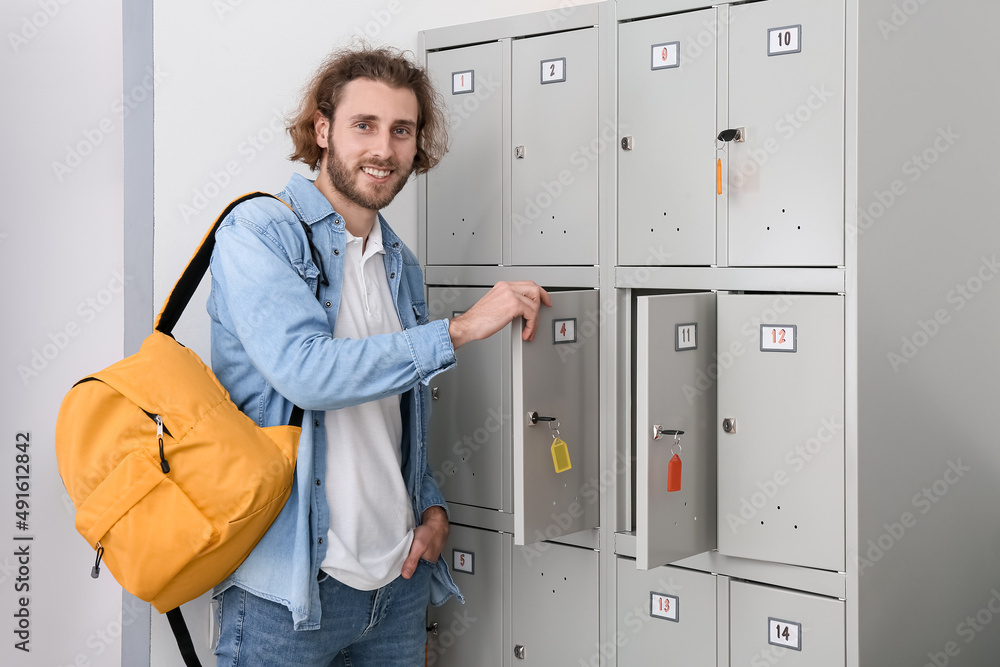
(501, 305)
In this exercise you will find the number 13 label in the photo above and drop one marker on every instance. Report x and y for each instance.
(554, 71)
(784, 633)
(664, 606)
(778, 338)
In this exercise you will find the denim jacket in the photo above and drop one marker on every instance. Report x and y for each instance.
(273, 347)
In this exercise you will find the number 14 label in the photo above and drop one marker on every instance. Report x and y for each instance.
(784, 633)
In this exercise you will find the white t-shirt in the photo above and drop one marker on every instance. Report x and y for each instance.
(371, 520)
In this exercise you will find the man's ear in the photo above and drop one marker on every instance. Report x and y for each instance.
(321, 124)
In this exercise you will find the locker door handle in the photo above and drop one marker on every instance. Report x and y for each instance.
(627, 143)
(434, 393)
(519, 652)
(737, 134)
(519, 152)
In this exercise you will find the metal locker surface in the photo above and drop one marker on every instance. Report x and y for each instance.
(471, 634)
(780, 429)
(465, 191)
(557, 378)
(554, 193)
(554, 606)
(786, 180)
(666, 616)
(469, 455)
(675, 361)
(667, 106)
(759, 617)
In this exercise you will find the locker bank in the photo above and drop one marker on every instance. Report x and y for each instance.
(756, 428)
(747, 263)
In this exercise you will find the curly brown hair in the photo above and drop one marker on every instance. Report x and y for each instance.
(387, 65)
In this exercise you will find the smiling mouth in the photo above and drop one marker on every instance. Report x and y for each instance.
(376, 173)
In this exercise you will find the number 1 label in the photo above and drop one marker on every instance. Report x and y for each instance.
(463, 82)
(786, 634)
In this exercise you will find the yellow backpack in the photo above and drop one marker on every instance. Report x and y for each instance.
(173, 485)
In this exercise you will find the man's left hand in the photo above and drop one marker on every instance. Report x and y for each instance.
(428, 539)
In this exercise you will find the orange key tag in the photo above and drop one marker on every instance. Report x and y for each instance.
(718, 177)
(674, 474)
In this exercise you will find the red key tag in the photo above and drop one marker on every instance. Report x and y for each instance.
(674, 474)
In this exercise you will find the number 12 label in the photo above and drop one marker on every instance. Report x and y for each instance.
(664, 606)
(784, 633)
(778, 338)
(554, 71)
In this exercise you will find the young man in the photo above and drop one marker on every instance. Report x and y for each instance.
(346, 571)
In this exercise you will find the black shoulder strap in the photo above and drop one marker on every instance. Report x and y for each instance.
(186, 285)
(183, 637)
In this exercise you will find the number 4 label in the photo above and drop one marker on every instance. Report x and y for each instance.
(786, 634)
(463, 561)
(664, 606)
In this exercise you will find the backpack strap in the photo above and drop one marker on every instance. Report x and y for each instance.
(186, 285)
(183, 637)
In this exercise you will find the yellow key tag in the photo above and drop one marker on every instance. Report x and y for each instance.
(560, 455)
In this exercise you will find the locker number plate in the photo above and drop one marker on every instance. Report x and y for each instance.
(463, 561)
(784, 40)
(786, 634)
(664, 606)
(463, 82)
(686, 337)
(778, 338)
(564, 331)
(666, 56)
(554, 71)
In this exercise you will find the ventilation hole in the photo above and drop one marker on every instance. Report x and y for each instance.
(768, 229)
(453, 233)
(664, 213)
(564, 231)
(779, 507)
(782, 210)
(553, 590)
(541, 232)
(796, 527)
(678, 229)
(565, 579)
(651, 229)
(799, 227)
(762, 523)
(473, 233)
(553, 217)
(463, 219)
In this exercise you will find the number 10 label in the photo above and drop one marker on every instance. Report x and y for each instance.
(784, 40)
(784, 633)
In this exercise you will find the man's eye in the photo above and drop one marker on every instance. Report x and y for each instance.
(402, 131)
(362, 126)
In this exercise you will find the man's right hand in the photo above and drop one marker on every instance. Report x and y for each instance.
(503, 303)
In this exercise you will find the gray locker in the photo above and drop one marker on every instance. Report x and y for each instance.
(666, 117)
(786, 88)
(468, 438)
(775, 626)
(554, 606)
(780, 429)
(472, 634)
(556, 143)
(465, 191)
(555, 382)
(666, 616)
(675, 364)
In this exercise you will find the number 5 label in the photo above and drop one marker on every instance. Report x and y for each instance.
(463, 561)
(664, 606)
(786, 634)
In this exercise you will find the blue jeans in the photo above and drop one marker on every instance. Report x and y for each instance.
(381, 628)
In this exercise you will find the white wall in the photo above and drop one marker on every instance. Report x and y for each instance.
(62, 302)
(229, 71)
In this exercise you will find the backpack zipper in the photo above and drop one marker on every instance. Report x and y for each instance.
(164, 466)
(95, 571)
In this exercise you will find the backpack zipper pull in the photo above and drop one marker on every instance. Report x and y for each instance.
(95, 571)
(164, 466)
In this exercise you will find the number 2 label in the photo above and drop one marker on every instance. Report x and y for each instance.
(554, 71)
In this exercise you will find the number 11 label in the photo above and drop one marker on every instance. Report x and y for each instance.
(778, 338)
(784, 633)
